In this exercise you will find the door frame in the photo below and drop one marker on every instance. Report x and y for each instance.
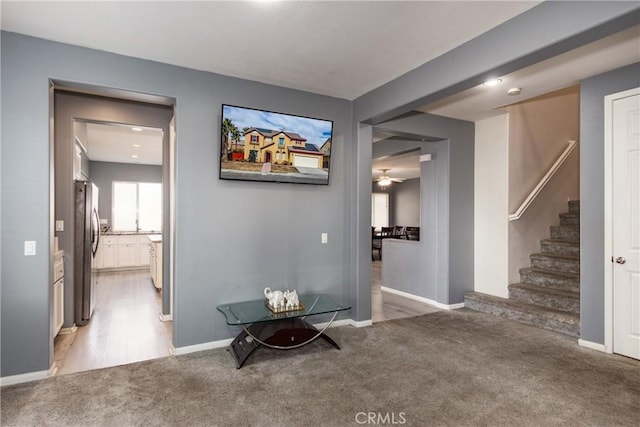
(168, 171)
(608, 213)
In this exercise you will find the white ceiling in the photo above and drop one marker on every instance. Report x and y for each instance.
(403, 165)
(338, 48)
(110, 142)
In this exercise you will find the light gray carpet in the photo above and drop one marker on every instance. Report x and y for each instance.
(460, 368)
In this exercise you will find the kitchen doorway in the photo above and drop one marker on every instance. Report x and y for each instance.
(122, 147)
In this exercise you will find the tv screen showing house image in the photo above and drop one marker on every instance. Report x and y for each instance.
(258, 145)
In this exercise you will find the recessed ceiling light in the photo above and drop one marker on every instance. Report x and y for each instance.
(135, 145)
(135, 156)
(492, 82)
(136, 129)
(514, 91)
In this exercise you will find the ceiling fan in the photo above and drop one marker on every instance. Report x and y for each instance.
(385, 179)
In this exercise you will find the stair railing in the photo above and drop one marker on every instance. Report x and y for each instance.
(545, 179)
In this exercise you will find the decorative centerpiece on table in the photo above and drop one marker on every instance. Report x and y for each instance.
(281, 302)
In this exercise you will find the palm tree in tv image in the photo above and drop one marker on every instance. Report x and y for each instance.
(235, 137)
(227, 128)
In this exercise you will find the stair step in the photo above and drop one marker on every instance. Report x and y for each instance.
(550, 262)
(574, 206)
(560, 247)
(565, 232)
(562, 281)
(570, 218)
(545, 297)
(534, 315)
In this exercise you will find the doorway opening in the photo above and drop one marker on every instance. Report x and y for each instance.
(121, 148)
(396, 195)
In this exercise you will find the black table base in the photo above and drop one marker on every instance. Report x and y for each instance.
(284, 334)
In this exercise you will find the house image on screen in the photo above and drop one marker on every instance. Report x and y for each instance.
(280, 147)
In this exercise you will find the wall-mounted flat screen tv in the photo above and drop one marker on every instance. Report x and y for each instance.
(258, 145)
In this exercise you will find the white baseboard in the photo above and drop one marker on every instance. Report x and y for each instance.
(201, 347)
(423, 299)
(116, 269)
(345, 322)
(360, 323)
(166, 317)
(592, 345)
(69, 330)
(29, 376)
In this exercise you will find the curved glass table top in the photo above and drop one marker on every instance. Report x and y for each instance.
(256, 311)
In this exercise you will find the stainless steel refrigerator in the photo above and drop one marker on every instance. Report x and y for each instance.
(87, 239)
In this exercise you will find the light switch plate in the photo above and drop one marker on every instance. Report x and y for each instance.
(59, 225)
(29, 247)
(325, 238)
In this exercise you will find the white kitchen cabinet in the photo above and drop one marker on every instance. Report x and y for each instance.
(144, 255)
(58, 306)
(123, 251)
(128, 252)
(107, 256)
(155, 264)
(158, 281)
(152, 261)
(58, 292)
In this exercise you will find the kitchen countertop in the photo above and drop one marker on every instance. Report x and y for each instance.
(155, 238)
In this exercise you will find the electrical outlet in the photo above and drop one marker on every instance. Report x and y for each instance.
(325, 238)
(29, 247)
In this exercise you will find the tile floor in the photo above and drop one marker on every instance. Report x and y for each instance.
(125, 326)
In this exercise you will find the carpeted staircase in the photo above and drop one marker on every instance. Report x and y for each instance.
(548, 295)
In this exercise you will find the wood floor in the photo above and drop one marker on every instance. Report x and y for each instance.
(125, 326)
(387, 306)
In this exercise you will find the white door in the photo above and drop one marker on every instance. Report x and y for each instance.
(379, 210)
(626, 226)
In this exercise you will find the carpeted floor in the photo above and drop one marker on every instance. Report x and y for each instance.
(459, 368)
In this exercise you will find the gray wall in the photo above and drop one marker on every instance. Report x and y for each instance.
(592, 93)
(224, 252)
(406, 202)
(104, 173)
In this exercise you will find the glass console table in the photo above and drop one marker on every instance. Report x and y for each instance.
(282, 331)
